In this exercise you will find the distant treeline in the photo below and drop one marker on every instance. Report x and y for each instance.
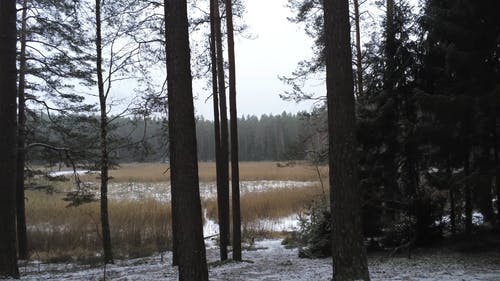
(268, 137)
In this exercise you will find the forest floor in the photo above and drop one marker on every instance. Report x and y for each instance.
(269, 260)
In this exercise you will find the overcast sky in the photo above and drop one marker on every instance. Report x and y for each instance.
(277, 47)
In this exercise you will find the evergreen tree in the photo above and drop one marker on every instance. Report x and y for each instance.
(8, 249)
(223, 149)
(349, 256)
(183, 156)
(461, 72)
(235, 172)
(51, 60)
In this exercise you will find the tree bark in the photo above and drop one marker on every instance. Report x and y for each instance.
(22, 238)
(235, 171)
(106, 233)
(183, 151)
(8, 124)
(348, 252)
(223, 191)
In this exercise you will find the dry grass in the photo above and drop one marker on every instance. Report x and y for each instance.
(140, 228)
(57, 232)
(271, 205)
(158, 172)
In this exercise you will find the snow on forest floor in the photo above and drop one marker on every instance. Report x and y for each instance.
(270, 261)
(161, 190)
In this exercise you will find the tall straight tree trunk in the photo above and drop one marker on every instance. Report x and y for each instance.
(359, 54)
(223, 191)
(183, 153)
(8, 107)
(22, 238)
(348, 252)
(235, 170)
(215, 96)
(106, 233)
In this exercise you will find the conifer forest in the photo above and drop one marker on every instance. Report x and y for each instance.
(153, 140)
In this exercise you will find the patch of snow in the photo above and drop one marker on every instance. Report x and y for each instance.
(290, 223)
(161, 191)
(270, 261)
(70, 173)
(477, 219)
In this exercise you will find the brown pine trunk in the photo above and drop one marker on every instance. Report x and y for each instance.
(223, 191)
(22, 238)
(8, 106)
(215, 96)
(235, 171)
(183, 151)
(173, 201)
(348, 252)
(106, 233)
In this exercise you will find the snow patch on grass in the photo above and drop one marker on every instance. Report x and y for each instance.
(271, 261)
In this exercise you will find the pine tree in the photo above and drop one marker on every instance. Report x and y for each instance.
(183, 153)
(235, 178)
(51, 57)
(349, 256)
(8, 249)
(223, 164)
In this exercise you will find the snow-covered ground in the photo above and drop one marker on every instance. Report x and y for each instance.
(161, 190)
(270, 261)
(71, 172)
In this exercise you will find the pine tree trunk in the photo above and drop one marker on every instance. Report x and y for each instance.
(183, 150)
(8, 107)
(348, 252)
(106, 233)
(223, 192)
(22, 238)
(215, 96)
(173, 201)
(235, 171)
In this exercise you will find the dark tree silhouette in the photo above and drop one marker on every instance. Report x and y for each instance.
(349, 257)
(104, 163)
(235, 171)
(22, 237)
(223, 161)
(8, 106)
(183, 153)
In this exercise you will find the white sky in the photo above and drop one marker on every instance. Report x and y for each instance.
(277, 48)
